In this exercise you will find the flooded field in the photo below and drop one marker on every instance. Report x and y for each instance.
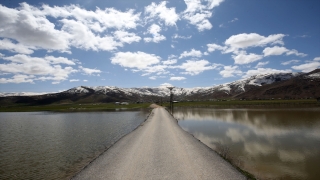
(269, 143)
(45, 145)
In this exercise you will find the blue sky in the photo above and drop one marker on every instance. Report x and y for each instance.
(50, 46)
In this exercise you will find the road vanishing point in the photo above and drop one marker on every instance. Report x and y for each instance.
(159, 149)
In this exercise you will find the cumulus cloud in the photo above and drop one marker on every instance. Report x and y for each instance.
(242, 41)
(243, 58)
(260, 64)
(198, 13)
(290, 62)
(276, 50)
(169, 62)
(6, 44)
(136, 60)
(19, 78)
(168, 15)
(33, 28)
(177, 78)
(28, 69)
(192, 53)
(238, 45)
(230, 71)
(257, 71)
(126, 37)
(194, 67)
(164, 85)
(89, 71)
(154, 29)
(307, 67)
(74, 80)
(316, 59)
(176, 36)
(213, 47)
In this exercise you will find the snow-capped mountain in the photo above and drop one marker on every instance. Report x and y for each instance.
(22, 94)
(244, 88)
(161, 91)
(223, 90)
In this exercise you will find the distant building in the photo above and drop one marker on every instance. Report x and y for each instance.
(124, 103)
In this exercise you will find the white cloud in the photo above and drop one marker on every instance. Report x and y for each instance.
(243, 58)
(153, 77)
(74, 80)
(176, 36)
(233, 20)
(260, 64)
(7, 44)
(59, 60)
(126, 37)
(19, 78)
(290, 62)
(238, 44)
(192, 53)
(307, 67)
(242, 41)
(85, 80)
(154, 29)
(89, 71)
(257, 71)
(276, 50)
(230, 71)
(169, 62)
(139, 60)
(168, 15)
(316, 59)
(32, 28)
(213, 47)
(83, 38)
(164, 85)
(197, 14)
(177, 78)
(194, 67)
(24, 68)
(213, 3)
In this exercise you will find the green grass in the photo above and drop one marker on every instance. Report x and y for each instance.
(249, 103)
(71, 107)
(112, 106)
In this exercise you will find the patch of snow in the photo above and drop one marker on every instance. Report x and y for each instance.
(315, 75)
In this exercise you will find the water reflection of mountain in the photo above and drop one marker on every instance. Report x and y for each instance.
(272, 117)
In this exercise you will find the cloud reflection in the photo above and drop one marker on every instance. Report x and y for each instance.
(273, 143)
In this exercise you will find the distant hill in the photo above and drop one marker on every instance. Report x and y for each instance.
(305, 85)
(264, 86)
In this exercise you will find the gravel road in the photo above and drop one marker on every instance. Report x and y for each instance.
(159, 149)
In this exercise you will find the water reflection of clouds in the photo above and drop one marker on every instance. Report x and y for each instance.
(283, 139)
(259, 121)
(236, 135)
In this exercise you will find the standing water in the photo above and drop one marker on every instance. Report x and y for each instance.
(46, 145)
(268, 143)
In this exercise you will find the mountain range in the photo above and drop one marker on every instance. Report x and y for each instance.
(263, 86)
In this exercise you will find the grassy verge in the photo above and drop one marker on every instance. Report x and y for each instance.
(71, 107)
(250, 103)
(112, 106)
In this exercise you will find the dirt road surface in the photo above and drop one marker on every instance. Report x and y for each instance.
(159, 149)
